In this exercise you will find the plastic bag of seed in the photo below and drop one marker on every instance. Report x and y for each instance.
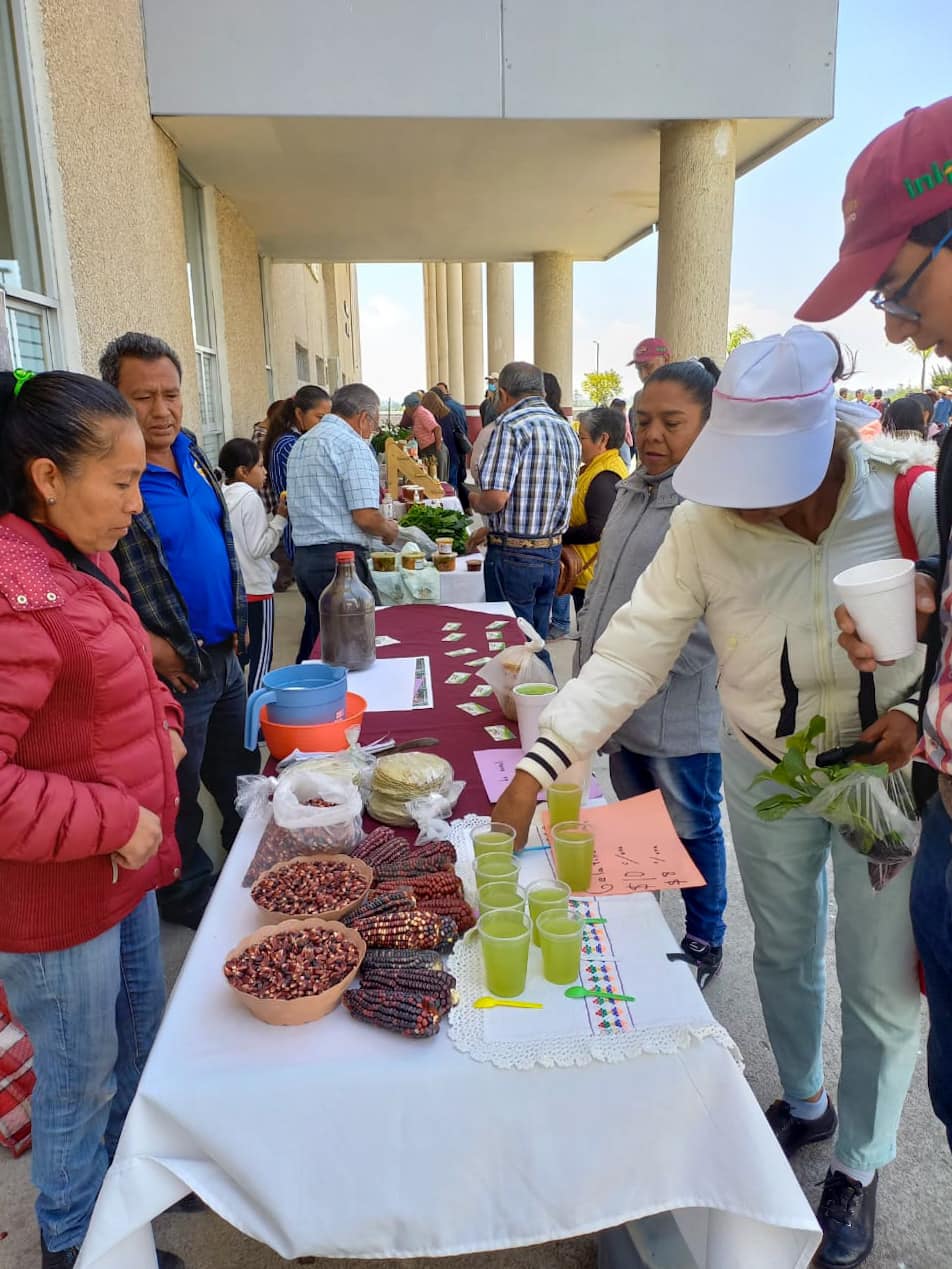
(311, 814)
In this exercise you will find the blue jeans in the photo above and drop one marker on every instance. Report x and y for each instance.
(92, 1012)
(691, 788)
(214, 739)
(562, 613)
(526, 580)
(930, 903)
(783, 867)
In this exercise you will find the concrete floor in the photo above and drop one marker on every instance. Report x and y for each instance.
(914, 1229)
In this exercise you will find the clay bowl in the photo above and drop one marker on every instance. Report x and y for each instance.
(293, 1013)
(364, 871)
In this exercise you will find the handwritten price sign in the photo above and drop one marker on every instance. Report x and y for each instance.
(636, 848)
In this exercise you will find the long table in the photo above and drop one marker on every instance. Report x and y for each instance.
(341, 1140)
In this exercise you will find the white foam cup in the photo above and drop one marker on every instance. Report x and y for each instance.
(881, 599)
(531, 700)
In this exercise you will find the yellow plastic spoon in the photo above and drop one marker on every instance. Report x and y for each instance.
(490, 1002)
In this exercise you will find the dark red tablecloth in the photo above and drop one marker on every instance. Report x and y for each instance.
(419, 629)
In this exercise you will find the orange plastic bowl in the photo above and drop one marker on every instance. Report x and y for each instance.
(319, 737)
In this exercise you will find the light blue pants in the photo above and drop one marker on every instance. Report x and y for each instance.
(783, 869)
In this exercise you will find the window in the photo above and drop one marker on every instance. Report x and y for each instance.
(31, 308)
(303, 363)
(203, 318)
(320, 372)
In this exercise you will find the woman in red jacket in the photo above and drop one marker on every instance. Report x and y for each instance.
(89, 743)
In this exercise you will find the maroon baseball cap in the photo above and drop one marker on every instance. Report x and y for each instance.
(902, 178)
(648, 349)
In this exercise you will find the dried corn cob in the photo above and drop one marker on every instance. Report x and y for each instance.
(436, 985)
(402, 929)
(426, 885)
(445, 850)
(411, 1016)
(450, 906)
(378, 902)
(412, 866)
(381, 852)
(400, 958)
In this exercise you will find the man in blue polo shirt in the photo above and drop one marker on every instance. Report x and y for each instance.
(179, 566)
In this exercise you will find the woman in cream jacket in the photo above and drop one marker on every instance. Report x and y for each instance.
(792, 499)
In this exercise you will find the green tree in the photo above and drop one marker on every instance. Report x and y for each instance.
(602, 386)
(942, 379)
(925, 356)
(739, 335)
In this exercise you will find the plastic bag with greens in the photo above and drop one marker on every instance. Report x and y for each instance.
(871, 808)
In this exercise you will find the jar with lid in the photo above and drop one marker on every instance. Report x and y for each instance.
(348, 621)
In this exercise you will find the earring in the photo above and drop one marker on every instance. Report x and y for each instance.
(51, 501)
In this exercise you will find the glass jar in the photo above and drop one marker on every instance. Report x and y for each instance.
(348, 621)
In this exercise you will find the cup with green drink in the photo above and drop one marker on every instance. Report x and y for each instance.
(544, 896)
(573, 845)
(495, 867)
(564, 801)
(501, 896)
(494, 839)
(560, 937)
(504, 939)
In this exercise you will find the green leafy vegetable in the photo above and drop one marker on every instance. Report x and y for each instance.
(438, 522)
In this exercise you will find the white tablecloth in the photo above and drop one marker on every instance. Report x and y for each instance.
(462, 586)
(338, 1139)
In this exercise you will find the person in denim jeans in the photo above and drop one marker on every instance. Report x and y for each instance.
(672, 743)
(526, 476)
(88, 794)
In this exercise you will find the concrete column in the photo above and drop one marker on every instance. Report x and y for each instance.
(696, 222)
(474, 367)
(442, 335)
(552, 295)
(429, 322)
(454, 326)
(500, 325)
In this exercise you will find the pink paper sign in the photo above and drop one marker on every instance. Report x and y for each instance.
(498, 766)
(636, 847)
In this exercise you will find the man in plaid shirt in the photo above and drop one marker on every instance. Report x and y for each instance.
(179, 566)
(527, 475)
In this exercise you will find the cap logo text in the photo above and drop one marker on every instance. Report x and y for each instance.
(938, 174)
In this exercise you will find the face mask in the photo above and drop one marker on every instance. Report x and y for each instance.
(491, 390)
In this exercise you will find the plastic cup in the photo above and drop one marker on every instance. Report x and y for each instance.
(497, 839)
(498, 867)
(530, 700)
(881, 599)
(499, 896)
(565, 802)
(504, 938)
(573, 845)
(544, 896)
(560, 937)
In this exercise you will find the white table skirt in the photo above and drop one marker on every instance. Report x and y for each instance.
(341, 1140)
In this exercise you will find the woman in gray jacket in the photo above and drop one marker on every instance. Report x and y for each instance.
(672, 742)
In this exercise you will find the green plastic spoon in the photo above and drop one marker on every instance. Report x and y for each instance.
(584, 993)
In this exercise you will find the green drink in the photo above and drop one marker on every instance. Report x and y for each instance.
(504, 938)
(573, 845)
(560, 936)
(497, 839)
(535, 689)
(544, 896)
(565, 803)
(501, 895)
(496, 867)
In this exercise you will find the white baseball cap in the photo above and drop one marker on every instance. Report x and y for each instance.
(770, 435)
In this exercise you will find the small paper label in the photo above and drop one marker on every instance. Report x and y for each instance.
(495, 625)
(461, 652)
(385, 641)
(473, 707)
(456, 679)
(497, 647)
(480, 661)
(453, 638)
(484, 689)
(499, 732)
(453, 625)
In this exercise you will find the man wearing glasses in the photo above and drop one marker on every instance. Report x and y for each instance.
(334, 494)
(898, 243)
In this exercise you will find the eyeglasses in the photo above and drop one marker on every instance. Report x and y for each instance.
(892, 305)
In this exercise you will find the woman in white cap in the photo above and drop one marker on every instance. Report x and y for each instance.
(781, 499)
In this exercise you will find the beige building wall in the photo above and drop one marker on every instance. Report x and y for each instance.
(120, 183)
(242, 326)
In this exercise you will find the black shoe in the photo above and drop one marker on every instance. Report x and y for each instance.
(188, 911)
(66, 1259)
(847, 1216)
(704, 956)
(792, 1133)
(189, 1204)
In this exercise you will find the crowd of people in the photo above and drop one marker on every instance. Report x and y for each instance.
(136, 592)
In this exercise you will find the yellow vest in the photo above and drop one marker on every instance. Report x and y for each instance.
(610, 460)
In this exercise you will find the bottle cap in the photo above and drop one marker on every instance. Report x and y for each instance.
(345, 557)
